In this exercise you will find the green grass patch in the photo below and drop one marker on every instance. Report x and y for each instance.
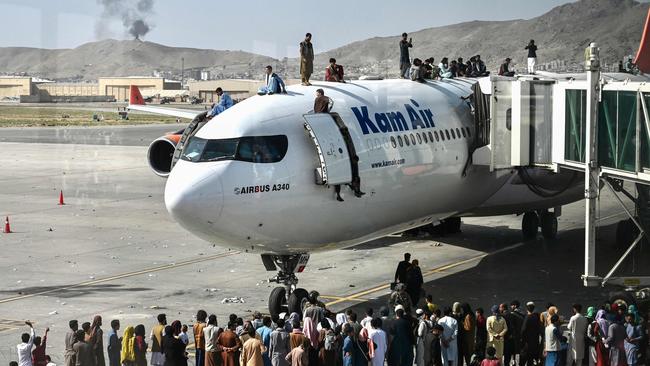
(26, 116)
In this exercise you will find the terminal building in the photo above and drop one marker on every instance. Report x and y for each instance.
(116, 89)
(106, 89)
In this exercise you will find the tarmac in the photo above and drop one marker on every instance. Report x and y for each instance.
(113, 250)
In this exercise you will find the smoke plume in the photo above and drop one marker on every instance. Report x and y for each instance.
(132, 13)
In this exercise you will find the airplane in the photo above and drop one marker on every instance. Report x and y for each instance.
(261, 176)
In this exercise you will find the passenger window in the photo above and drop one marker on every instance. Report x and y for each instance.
(430, 137)
(453, 135)
(424, 137)
(458, 132)
(447, 134)
(393, 142)
(385, 144)
(437, 137)
(463, 130)
(469, 132)
(407, 141)
(413, 139)
(399, 139)
(377, 144)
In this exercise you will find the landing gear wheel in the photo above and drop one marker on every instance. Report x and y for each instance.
(278, 301)
(453, 224)
(622, 297)
(549, 225)
(296, 300)
(530, 225)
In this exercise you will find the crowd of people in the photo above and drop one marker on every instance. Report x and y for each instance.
(419, 70)
(416, 70)
(410, 330)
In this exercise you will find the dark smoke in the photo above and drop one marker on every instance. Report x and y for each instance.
(138, 28)
(132, 13)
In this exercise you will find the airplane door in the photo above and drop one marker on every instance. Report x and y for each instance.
(334, 148)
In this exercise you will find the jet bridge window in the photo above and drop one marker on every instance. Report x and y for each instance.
(262, 149)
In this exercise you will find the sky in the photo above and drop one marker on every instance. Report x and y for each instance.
(259, 26)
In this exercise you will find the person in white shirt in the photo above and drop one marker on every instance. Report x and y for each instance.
(183, 335)
(448, 338)
(378, 336)
(577, 331)
(365, 322)
(25, 348)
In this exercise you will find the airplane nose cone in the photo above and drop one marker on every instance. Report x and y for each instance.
(194, 195)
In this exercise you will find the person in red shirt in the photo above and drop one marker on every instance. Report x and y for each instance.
(491, 359)
(38, 354)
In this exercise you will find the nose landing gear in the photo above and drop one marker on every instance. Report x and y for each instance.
(288, 298)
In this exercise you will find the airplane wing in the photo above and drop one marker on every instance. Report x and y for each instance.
(136, 102)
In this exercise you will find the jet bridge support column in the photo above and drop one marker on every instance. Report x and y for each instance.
(592, 66)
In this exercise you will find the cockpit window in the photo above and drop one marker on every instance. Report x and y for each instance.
(257, 149)
(266, 149)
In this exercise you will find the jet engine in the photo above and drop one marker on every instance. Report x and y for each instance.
(161, 153)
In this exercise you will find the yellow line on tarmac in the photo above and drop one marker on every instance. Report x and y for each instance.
(120, 276)
(339, 298)
(355, 297)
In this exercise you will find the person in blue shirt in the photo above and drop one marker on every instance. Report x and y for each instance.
(225, 102)
(264, 333)
(274, 83)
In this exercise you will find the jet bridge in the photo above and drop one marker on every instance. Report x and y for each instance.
(594, 123)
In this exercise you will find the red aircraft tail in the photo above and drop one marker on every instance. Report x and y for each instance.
(642, 59)
(136, 97)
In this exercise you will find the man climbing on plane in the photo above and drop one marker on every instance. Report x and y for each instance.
(274, 83)
(225, 102)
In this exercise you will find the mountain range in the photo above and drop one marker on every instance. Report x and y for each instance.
(561, 35)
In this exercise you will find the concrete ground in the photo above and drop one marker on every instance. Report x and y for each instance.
(113, 250)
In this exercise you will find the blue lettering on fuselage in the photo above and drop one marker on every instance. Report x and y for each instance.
(394, 120)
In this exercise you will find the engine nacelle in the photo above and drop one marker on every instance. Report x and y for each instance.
(161, 154)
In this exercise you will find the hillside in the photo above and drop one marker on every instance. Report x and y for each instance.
(561, 35)
(123, 58)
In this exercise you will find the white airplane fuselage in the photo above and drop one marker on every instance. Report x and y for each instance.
(278, 208)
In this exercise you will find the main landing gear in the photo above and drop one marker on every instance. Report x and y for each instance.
(287, 298)
(532, 221)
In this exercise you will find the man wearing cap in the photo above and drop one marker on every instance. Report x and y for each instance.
(496, 329)
(577, 330)
(530, 333)
(504, 70)
(448, 338)
(401, 344)
(401, 297)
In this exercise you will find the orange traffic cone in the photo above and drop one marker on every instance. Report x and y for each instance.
(61, 203)
(7, 227)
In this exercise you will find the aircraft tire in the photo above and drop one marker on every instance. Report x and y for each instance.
(549, 225)
(452, 225)
(277, 301)
(622, 297)
(530, 225)
(296, 300)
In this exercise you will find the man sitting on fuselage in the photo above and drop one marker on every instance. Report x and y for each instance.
(225, 102)
(274, 83)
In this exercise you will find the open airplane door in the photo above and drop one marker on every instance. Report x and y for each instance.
(331, 140)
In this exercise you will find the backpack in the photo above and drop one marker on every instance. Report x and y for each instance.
(330, 341)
